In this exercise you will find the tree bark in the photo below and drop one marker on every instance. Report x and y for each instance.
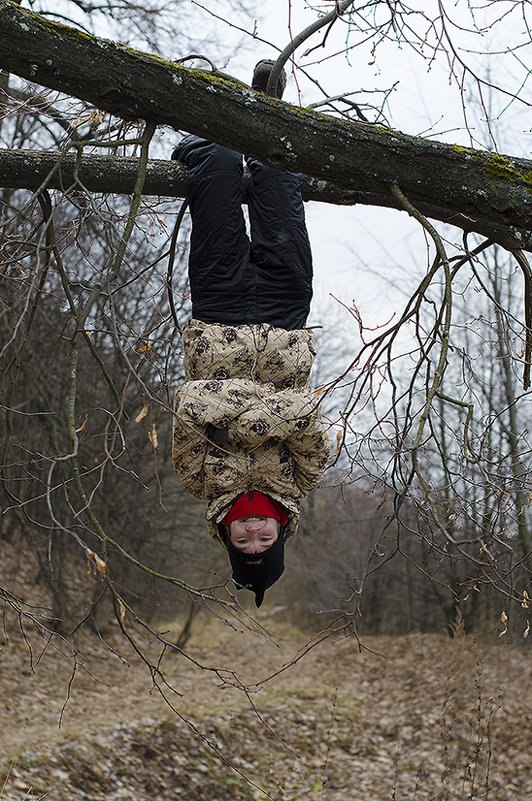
(477, 191)
(32, 169)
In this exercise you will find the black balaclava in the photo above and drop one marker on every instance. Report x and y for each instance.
(257, 571)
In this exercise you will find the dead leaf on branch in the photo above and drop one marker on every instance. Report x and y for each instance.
(142, 414)
(96, 566)
(152, 436)
(504, 621)
(121, 609)
(82, 426)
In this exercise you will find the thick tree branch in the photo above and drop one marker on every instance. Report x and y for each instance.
(31, 169)
(477, 191)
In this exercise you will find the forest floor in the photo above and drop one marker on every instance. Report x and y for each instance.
(407, 718)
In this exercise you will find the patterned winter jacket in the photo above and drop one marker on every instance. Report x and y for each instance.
(246, 419)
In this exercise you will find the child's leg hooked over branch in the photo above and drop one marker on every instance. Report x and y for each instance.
(219, 246)
(280, 247)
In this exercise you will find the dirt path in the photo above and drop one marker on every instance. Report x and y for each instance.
(414, 718)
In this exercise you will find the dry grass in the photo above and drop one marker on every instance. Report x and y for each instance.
(414, 718)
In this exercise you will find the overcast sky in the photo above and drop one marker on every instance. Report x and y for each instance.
(361, 252)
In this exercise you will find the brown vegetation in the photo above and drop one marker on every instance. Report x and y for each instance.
(415, 717)
(267, 713)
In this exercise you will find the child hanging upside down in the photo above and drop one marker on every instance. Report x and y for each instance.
(247, 435)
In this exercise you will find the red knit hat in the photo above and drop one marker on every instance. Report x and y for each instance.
(254, 503)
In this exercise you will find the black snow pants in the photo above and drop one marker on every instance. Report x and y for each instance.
(234, 280)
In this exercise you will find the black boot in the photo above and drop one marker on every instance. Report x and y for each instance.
(261, 73)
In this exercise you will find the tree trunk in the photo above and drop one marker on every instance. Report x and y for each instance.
(513, 430)
(477, 191)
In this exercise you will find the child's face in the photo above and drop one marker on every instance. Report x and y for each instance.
(253, 533)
